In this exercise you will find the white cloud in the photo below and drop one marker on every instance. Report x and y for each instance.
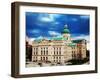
(34, 31)
(56, 23)
(84, 17)
(26, 38)
(40, 37)
(48, 17)
(32, 39)
(45, 18)
(54, 33)
(29, 40)
(74, 19)
(86, 37)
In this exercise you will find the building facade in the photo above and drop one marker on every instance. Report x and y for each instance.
(28, 52)
(58, 49)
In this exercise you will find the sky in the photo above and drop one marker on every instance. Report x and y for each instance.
(39, 25)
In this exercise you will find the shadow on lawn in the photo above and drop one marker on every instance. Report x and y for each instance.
(78, 62)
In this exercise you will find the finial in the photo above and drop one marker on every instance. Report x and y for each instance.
(66, 26)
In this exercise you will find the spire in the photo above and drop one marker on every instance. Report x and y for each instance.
(65, 30)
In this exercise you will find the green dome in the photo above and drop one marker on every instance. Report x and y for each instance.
(65, 30)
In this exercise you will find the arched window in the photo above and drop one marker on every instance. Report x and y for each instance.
(44, 58)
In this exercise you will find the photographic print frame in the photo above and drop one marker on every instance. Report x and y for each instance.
(18, 31)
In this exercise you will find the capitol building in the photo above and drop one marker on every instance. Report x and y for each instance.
(58, 49)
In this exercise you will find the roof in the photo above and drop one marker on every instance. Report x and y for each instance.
(59, 38)
(77, 41)
(71, 44)
(65, 30)
(38, 40)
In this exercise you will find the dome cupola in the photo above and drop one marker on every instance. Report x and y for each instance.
(65, 30)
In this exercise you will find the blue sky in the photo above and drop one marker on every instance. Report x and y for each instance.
(40, 25)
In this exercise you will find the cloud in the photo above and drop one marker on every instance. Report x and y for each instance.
(74, 19)
(40, 37)
(56, 23)
(34, 31)
(32, 39)
(45, 18)
(54, 33)
(84, 17)
(29, 40)
(86, 37)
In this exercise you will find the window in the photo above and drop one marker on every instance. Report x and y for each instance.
(41, 52)
(59, 52)
(36, 49)
(41, 48)
(41, 58)
(36, 53)
(44, 52)
(46, 48)
(36, 58)
(54, 52)
(46, 58)
(47, 52)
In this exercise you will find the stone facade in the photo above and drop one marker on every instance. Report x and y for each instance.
(58, 49)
